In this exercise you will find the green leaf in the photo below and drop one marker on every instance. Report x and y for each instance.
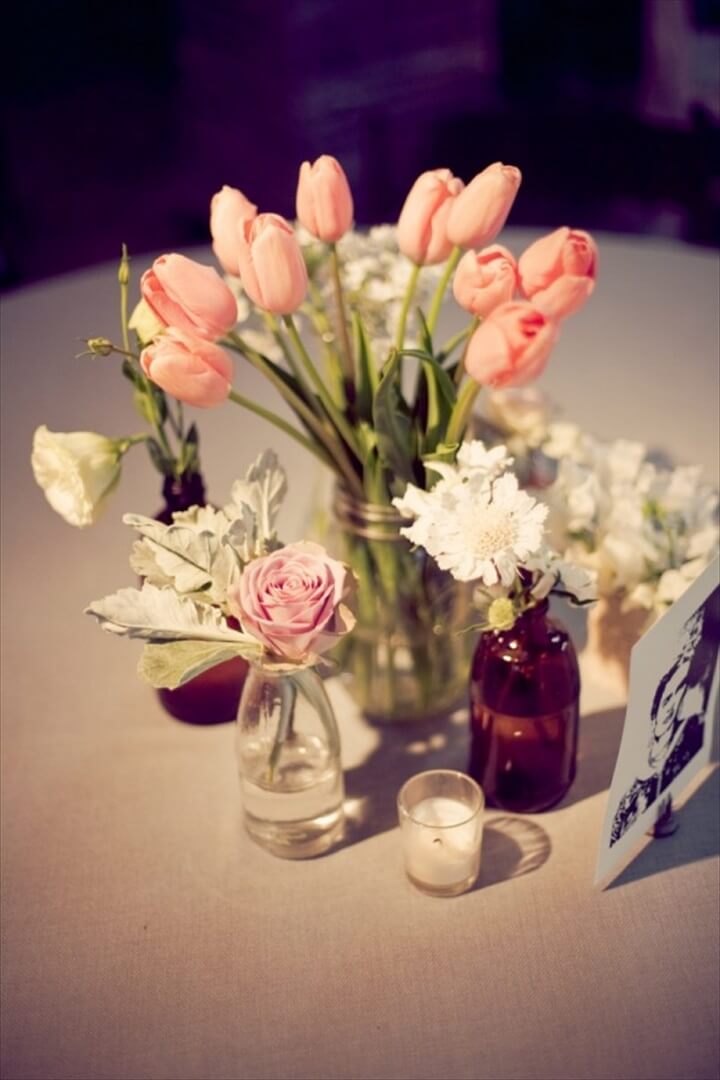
(366, 374)
(162, 615)
(158, 458)
(441, 400)
(143, 405)
(425, 335)
(393, 423)
(177, 662)
(131, 373)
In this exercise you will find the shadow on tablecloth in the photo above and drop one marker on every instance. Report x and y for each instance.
(697, 836)
(512, 846)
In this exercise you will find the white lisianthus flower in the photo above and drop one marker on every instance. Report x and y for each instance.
(77, 470)
(145, 322)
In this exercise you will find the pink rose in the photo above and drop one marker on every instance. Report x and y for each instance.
(512, 346)
(480, 211)
(189, 368)
(291, 601)
(324, 201)
(558, 271)
(271, 264)
(228, 208)
(188, 296)
(422, 225)
(484, 279)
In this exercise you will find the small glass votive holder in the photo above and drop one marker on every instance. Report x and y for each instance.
(441, 825)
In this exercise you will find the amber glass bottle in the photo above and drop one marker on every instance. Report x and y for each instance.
(213, 697)
(524, 702)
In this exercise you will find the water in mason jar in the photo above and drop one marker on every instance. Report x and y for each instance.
(297, 811)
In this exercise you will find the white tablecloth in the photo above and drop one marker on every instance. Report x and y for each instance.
(145, 936)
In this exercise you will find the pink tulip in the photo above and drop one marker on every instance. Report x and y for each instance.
(558, 271)
(324, 200)
(480, 212)
(484, 279)
(422, 225)
(271, 265)
(291, 601)
(189, 297)
(512, 345)
(228, 207)
(189, 368)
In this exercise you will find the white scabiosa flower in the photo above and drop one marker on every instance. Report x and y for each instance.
(478, 531)
(77, 470)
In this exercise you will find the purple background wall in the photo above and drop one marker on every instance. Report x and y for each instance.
(120, 121)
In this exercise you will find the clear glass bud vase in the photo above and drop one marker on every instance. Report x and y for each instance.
(409, 656)
(288, 754)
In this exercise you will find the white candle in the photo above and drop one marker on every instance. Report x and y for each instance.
(442, 842)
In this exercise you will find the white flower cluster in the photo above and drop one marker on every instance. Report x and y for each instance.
(479, 525)
(647, 531)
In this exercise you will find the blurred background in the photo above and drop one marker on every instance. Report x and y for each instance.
(120, 121)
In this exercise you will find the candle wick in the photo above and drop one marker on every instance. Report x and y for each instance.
(437, 840)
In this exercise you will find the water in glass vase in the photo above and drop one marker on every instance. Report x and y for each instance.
(295, 807)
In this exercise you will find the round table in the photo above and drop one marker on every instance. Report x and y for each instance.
(144, 935)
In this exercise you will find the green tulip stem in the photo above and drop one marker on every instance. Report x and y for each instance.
(327, 437)
(439, 296)
(346, 351)
(331, 408)
(278, 422)
(124, 279)
(318, 316)
(461, 412)
(129, 441)
(460, 369)
(409, 293)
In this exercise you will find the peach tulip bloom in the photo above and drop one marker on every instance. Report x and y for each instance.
(480, 212)
(228, 207)
(189, 297)
(271, 265)
(558, 271)
(422, 225)
(512, 345)
(189, 368)
(324, 201)
(484, 279)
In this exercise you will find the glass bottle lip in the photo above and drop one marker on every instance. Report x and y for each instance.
(477, 793)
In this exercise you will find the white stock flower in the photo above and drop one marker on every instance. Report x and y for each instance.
(77, 470)
(647, 531)
(520, 412)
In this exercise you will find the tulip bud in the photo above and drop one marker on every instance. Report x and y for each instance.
(189, 368)
(480, 211)
(485, 279)
(77, 470)
(228, 208)
(324, 201)
(422, 225)
(189, 297)
(558, 271)
(512, 345)
(272, 268)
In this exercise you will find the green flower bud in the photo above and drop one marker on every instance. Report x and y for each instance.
(501, 614)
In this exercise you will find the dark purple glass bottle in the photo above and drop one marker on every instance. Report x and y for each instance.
(214, 696)
(524, 710)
